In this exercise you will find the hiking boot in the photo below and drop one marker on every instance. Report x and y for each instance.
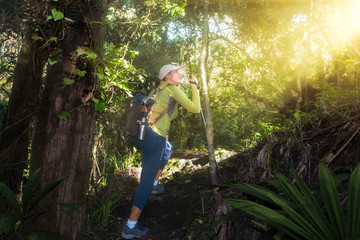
(158, 189)
(136, 232)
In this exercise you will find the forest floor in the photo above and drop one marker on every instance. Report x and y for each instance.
(184, 211)
(187, 209)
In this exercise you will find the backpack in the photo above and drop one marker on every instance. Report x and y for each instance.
(139, 111)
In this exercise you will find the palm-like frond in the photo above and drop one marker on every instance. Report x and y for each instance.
(300, 215)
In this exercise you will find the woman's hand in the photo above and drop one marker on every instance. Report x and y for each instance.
(193, 81)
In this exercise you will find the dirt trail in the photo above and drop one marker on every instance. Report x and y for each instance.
(176, 214)
(168, 214)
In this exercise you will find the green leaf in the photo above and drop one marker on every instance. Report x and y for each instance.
(274, 198)
(92, 55)
(54, 53)
(270, 216)
(303, 210)
(95, 100)
(53, 39)
(28, 189)
(7, 222)
(292, 192)
(57, 15)
(297, 116)
(133, 53)
(123, 85)
(70, 206)
(183, 4)
(80, 73)
(10, 197)
(52, 61)
(100, 70)
(331, 200)
(68, 81)
(80, 52)
(46, 191)
(100, 106)
(353, 207)
(100, 73)
(37, 38)
(68, 213)
(64, 115)
(252, 190)
(304, 206)
(312, 209)
(98, 22)
(68, 19)
(100, 76)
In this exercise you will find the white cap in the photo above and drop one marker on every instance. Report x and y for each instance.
(168, 68)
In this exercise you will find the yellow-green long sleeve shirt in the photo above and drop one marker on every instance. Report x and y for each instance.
(162, 126)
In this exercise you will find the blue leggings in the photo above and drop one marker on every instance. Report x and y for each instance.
(157, 151)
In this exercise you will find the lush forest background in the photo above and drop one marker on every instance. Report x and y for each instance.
(279, 83)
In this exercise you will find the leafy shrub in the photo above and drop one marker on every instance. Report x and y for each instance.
(12, 221)
(299, 214)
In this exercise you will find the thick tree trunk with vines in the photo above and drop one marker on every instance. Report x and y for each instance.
(15, 134)
(61, 147)
(221, 208)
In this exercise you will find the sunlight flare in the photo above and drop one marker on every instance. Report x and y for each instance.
(346, 19)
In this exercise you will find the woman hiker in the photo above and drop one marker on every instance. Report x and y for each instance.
(156, 148)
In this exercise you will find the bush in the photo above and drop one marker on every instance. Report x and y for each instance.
(299, 214)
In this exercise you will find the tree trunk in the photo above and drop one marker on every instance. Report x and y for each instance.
(299, 98)
(63, 147)
(14, 137)
(208, 117)
(221, 208)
